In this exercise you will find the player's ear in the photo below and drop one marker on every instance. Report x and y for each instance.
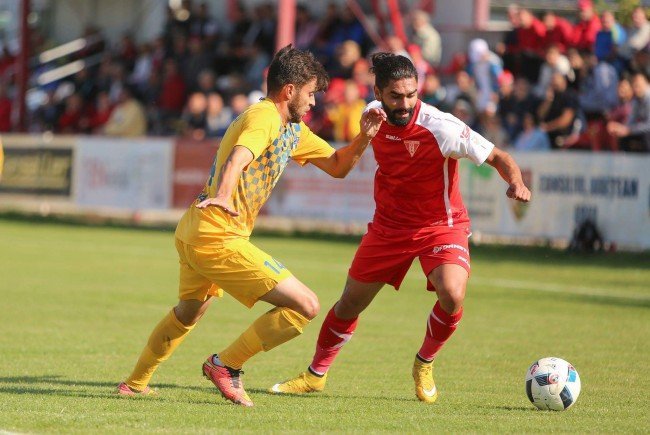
(289, 90)
(377, 93)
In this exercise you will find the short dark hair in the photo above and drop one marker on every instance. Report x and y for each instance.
(389, 66)
(298, 67)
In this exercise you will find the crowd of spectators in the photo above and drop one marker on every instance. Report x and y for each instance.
(552, 83)
(557, 84)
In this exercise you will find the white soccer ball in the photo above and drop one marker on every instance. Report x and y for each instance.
(552, 383)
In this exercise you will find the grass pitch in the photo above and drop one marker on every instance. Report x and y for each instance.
(78, 304)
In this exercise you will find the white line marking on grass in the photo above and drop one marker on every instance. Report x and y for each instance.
(557, 288)
(6, 432)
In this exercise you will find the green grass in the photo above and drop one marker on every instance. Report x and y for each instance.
(79, 302)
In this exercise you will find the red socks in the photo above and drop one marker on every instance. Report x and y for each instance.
(335, 332)
(333, 335)
(440, 326)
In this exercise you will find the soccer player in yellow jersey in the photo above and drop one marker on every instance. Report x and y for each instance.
(212, 237)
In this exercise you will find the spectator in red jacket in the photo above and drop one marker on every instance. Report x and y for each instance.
(531, 34)
(530, 39)
(584, 33)
(559, 32)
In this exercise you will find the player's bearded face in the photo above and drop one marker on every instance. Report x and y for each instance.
(398, 100)
(302, 101)
(399, 117)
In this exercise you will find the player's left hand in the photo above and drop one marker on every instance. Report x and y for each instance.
(371, 121)
(518, 191)
(222, 203)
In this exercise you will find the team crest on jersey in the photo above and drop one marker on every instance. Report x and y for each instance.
(411, 146)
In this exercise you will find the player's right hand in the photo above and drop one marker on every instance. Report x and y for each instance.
(519, 192)
(223, 204)
(371, 121)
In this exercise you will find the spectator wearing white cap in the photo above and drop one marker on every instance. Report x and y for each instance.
(485, 67)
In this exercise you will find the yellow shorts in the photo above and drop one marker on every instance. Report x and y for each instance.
(238, 267)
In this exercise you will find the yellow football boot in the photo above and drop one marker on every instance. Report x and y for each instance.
(425, 387)
(305, 382)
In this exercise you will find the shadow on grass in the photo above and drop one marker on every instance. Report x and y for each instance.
(59, 380)
(42, 385)
(311, 396)
(46, 386)
(512, 408)
(619, 300)
(262, 391)
(553, 257)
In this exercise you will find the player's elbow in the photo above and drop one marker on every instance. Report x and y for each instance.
(339, 173)
(342, 169)
(310, 307)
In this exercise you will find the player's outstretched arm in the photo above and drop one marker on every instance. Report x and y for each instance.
(231, 170)
(340, 163)
(510, 172)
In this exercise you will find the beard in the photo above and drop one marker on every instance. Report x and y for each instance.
(391, 115)
(294, 111)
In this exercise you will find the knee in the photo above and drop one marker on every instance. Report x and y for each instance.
(185, 318)
(348, 308)
(451, 297)
(187, 314)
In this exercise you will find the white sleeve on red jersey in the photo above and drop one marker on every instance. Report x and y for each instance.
(376, 104)
(454, 137)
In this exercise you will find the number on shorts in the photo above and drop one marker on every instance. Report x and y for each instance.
(276, 267)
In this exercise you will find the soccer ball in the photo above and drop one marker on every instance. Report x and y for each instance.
(552, 383)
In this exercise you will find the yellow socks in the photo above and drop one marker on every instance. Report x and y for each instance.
(164, 339)
(268, 331)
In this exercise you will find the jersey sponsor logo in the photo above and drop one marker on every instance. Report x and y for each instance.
(411, 146)
(437, 249)
(391, 137)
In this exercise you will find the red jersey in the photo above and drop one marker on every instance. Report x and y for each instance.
(416, 183)
(532, 38)
(584, 33)
(561, 35)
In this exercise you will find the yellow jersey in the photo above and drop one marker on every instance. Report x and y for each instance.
(259, 129)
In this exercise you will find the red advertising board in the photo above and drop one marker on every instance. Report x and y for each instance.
(192, 162)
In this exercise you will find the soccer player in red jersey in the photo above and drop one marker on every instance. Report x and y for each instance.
(419, 214)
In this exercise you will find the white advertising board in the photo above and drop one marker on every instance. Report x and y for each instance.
(308, 192)
(611, 189)
(124, 173)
